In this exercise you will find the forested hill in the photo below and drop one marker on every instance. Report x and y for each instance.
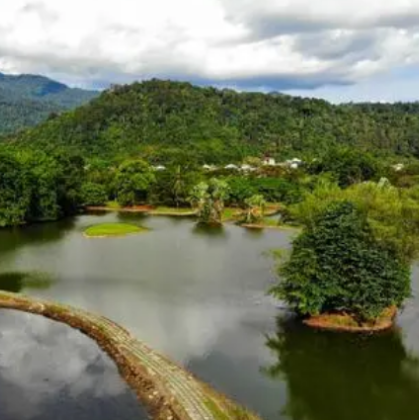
(27, 100)
(162, 119)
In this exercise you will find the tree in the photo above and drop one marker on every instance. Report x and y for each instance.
(240, 189)
(69, 180)
(255, 208)
(393, 214)
(208, 199)
(348, 165)
(337, 265)
(133, 180)
(15, 190)
(93, 194)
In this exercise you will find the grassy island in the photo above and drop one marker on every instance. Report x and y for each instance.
(112, 229)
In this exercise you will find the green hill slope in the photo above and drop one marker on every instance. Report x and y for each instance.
(159, 119)
(27, 100)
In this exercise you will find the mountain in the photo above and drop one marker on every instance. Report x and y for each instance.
(26, 100)
(161, 119)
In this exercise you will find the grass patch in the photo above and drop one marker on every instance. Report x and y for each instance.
(270, 221)
(113, 205)
(232, 413)
(215, 410)
(113, 229)
(230, 213)
(173, 210)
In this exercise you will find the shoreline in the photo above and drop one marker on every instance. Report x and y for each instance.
(346, 323)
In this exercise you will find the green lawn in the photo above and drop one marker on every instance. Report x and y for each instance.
(113, 205)
(175, 210)
(230, 213)
(113, 229)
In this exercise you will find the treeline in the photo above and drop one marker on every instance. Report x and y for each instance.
(40, 186)
(35, 186)
(163, 120)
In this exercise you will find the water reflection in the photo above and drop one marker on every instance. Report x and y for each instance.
(333, 376)
(36, 234)
(209, 231)
(15, 281)
(49, 371)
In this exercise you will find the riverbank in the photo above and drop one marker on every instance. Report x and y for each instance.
(167, 391)
(346, 323)
(145, 209)
(263, 225)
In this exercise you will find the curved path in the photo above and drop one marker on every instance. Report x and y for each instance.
(168, 391)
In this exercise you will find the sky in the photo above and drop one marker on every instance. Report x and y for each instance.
(340, 50)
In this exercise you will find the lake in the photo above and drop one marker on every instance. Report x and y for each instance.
(198, 296)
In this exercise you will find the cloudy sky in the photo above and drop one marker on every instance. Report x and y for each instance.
(336, 49)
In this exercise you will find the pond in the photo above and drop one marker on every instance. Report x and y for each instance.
(199, 296)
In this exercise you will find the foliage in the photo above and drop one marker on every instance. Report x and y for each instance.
(255, 209)
(348, 165)
(133, 180)
(15, 191)
(172, 186)
(93, 194)
(337, 265)
(38, 187)
(241, 188)
(274, 190)
(208, 199)
(161, 120)
(27, 100)
(393, 214)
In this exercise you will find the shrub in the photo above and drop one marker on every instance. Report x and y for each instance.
(93, 194)
(337, 265)
(393, 214)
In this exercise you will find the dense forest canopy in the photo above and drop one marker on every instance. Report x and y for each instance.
(160, 120)
(27, 100)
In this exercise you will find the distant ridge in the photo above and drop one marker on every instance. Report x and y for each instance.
(28, 99)
(164, 121)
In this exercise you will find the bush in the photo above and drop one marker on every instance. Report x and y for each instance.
(348, 165)
(393, 214)
(277, 190)
(93, 194)
(337, 265)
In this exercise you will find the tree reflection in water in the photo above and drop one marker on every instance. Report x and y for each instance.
(336, 376)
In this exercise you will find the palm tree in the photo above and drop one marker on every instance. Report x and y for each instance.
(255, 208)
(208, 199)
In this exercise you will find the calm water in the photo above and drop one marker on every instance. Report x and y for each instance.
(198, 296)
(50, 371)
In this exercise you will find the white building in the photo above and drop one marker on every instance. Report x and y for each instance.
(247, 168)
(268, 161)
(398, 167)
(231, 166)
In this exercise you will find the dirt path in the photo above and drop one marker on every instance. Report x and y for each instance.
(168, 391)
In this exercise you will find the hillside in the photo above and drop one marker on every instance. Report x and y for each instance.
(162, 119)
(27, 100)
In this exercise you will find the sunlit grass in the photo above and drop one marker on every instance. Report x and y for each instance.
(113, 229)
(173, 210)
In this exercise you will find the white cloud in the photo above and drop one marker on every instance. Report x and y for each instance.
(241, 42)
